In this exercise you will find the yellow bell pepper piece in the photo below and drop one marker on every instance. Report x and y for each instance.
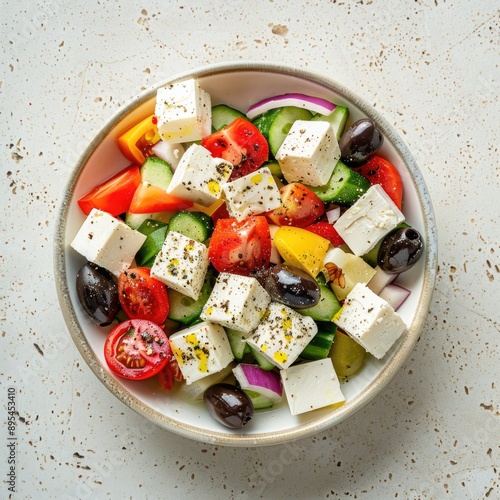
(133, 142)
(301, 248)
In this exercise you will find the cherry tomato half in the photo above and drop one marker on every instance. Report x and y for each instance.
(239, 247)
(137, 349)
(300, 207)
(379, 171)
(113, 195)
(240, 143)
(143, 297)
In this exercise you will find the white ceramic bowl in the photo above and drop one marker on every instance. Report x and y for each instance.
(240, 85)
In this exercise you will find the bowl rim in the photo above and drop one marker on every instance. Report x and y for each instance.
(301, 430)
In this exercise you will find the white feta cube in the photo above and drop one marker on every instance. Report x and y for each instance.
(183, 111)
(370, 321)
(107, 241)
(252, 194)
(181, 264)
(311, 385)
(344, 270)
(199, 177)
(236, 302)
(366, 222)
(201, 350)
(282, 335)
(309, 153)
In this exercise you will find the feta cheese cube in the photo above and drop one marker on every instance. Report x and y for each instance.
(282, 335)
(199, 177)
(345, 270)
(183, 111)
(181, 264)
(107, 241)
(366, 222)
(201, 350)
(252, 194)
(236, 302)
(309, 153)
(311, 385)
(370, 321)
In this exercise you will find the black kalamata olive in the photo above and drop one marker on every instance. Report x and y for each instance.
(292, 287)
(400, 250)
(98, 293)
(360, 141)
(229, 405)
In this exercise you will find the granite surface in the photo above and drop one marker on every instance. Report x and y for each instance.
(432, 69)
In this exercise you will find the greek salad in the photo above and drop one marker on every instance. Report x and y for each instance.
(247, 257)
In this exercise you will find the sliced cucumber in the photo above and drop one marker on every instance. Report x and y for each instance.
(156, 232)
(344, 187)
(326, 308)
(320, 345)
(275, 169)
(150, 225)
(223, 115)
(276, 123)
(156, 171)
(238, 344)
(264, 363)
(135, 220)
(195, 225)
(337, 118)
(259, 401)
(186, 310)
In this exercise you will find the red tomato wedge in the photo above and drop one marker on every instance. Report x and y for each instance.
(327, 231)
(113, 195)
(170, 374)
(300, 207)
(240, 143)
(220, 213)
(137, 349)
(149, 198)
(240, 247)
(379, 171)
(143, 297)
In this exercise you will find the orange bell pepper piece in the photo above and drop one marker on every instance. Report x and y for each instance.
(134, 141)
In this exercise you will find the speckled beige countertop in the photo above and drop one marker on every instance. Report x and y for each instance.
(432, 68)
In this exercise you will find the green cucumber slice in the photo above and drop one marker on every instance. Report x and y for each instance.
(275, 169)
(344, 187)
(326, 308)
(223, 115)
(135, 220)
(153, 243)
(238, 343)
(276, 123)
(150, 225)
(259, 401)
(337, 118)
(195, 225)
(319, 346)
(157, 172)
(186, 310)
(263, 362)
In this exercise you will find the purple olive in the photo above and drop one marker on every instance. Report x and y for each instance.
(292, 287)
(98, 293)
(229, 405)
(400, 250)
(361, 141)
